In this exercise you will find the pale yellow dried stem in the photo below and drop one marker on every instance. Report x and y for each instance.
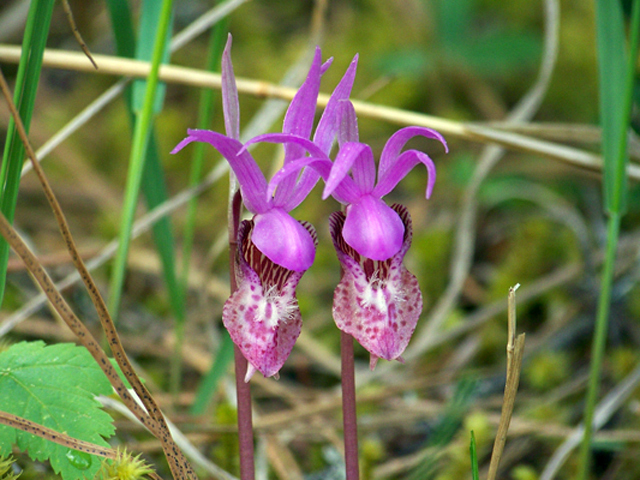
(189, 76)
(515, 349)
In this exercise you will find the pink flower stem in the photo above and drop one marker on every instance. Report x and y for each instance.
(349, 417)
(243, 389)
(245, 424)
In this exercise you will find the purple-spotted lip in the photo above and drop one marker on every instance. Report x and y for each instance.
(377, 302)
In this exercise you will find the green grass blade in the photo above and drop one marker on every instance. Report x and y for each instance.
(209, 383)
(153, 180)
(205, 114)
(475, 471)
(154, 186)
(615, 119)
(610, 36)
(136, 162)
(34, 42)
(122, 27)
(149, 21)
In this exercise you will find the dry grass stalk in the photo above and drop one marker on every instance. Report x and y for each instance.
(152, 417)
(515, 349)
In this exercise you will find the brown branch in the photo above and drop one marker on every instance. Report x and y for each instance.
(63, 439)
(153, 418)
(76, 32)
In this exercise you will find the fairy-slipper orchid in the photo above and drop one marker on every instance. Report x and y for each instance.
(378, 302)
(275, 249)
(262, 315)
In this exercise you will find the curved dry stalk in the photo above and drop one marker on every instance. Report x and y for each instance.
(76, 32)
(465, 236)
(178, 463)
(54, 436)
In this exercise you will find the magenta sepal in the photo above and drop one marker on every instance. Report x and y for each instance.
(262, 315)
(377, 302)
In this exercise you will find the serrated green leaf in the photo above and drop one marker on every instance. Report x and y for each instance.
(54, 386)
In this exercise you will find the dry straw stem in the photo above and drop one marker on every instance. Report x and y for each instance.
(54, 436)
(153, 417)
(515, 350)
(189, 76)
(76, 32)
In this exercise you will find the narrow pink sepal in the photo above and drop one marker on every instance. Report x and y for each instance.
(377, 302)
(398, 140)
(230, 104)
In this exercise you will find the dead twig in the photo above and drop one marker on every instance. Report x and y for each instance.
(76, 32)
(515, 350)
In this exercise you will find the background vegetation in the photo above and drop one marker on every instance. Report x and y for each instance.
(523, 217)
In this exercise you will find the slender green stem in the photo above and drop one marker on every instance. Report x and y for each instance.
(136, 161)
(349, 415)
(599, 341)
(205, 115)
(615, 204)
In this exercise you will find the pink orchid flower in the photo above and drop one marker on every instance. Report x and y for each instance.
(274, 249)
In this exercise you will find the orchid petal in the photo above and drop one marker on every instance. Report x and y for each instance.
(299, 117)
(348, 128)
(398, 140)
(321, 165)
(328, 124)
(262, 315)
(400, 167)
(283, 240)
(325, 66)
(373, 229)
(230, 104)
(311, 147)
(346, 192)
(358, 158)
(377, 302)
(299, 121)
(250, 177)
(302, 188)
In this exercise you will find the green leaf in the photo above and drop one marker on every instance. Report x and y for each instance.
(611, 71)
(54, 386)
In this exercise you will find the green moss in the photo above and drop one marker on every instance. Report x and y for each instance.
(431, 250)
(524, 472)
(621, 361)
(547, 370)
(225, 452)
